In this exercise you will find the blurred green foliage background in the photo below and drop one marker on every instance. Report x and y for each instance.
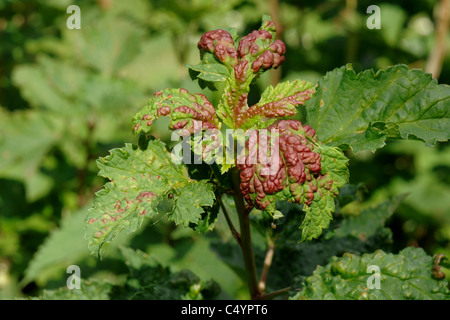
(67, 97)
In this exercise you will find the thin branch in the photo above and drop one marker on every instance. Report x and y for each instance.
(274, 8)
(436, 59)
(233, 230)
(349, 14)
(267, 264)
(83, 172)
(274, 294)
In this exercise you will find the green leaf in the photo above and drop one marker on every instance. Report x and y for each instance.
(360, 233)
(403, 276)
(59, 250)
(318, 216)
(25, 139)
(109, 42)
(147, 279)
(319, 213)
(362, 110)
(368, 222)
(394, 17)
(209, 217)
(192, 198)
(151, 281)
(50, 84)
(89, 290)
(142, 184)
(211, 71)
(89, 106)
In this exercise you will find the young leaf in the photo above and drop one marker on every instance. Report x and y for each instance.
(362, 110)
(182, 107)
(142, 184)
(406, 275)
(210, 72)
(278, 102)
(238, 65)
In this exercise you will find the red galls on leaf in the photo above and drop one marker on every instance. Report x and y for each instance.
(288, 168)
(250, 46)
(221, 44)
(260, 45)
(188, 112)
(271, 58)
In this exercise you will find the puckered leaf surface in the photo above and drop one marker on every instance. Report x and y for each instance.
(182, 107)
(299, 170)
(406, 275)
(142, 184)
(278, 102)
(362, 110)
(319, 213)
(357, 234)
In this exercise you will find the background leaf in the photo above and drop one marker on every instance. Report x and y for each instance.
(22, 133)
(61, 249)
(406, 275)
(89, 290)
(353, 233)
(147, 280)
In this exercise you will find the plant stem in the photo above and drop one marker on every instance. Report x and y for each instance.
(274, 6)
(246, 243)
(233, 230)
(274, 294)
(349, 14)
(267, 263)
(82, 173)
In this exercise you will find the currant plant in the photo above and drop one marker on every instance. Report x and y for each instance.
(275, 158)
